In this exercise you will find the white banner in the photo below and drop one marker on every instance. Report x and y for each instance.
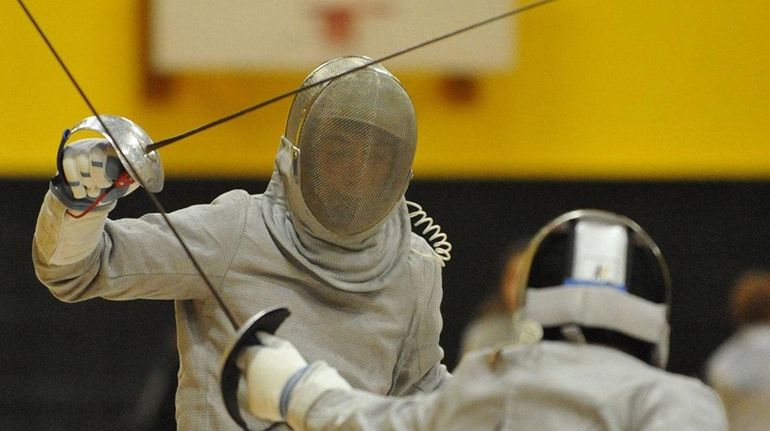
(244, 35)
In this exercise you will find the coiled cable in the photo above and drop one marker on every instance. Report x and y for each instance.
(431, 232)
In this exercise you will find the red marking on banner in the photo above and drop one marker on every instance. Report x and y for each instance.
(338, 24)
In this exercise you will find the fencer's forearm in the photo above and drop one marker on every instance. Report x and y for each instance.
(64, 249)
(323, 400)
(355, 410)
(61, 239)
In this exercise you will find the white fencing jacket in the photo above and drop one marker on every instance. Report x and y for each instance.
(373, 312)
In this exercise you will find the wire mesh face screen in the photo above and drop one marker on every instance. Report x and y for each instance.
(357, 139)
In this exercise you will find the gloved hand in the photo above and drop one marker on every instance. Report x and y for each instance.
(277, 375)
(88, 168)
(269, 368)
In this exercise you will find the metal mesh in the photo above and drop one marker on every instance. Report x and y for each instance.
(357, 139)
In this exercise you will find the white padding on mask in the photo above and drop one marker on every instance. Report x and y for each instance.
(600, 252)
(598, 307)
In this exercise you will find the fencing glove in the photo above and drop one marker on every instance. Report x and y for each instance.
(281, 385)
(90, 168)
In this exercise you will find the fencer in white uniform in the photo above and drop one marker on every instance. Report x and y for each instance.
(598, 291)
(330, 238)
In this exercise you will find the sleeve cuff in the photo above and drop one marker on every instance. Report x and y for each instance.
(62, 239)
(313, 381)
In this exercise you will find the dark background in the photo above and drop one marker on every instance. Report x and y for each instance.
(111, 365)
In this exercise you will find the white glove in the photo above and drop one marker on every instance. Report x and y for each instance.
(268, 369)
(90, 166)
(281, 386)
(84, 165)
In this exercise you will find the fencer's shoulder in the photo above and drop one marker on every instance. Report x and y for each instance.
(235, 196)
(673, 394)
(672, 397)
(688, 399)
(419, 243)
(225, 208)
(419, 248)
(678, 383)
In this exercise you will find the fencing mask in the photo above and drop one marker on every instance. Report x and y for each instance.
(595, 276)
(348, 149)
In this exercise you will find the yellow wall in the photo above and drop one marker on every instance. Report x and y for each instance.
(602, 89)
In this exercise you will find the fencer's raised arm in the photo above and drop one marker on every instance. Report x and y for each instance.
(74, 211)
(92, 174)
